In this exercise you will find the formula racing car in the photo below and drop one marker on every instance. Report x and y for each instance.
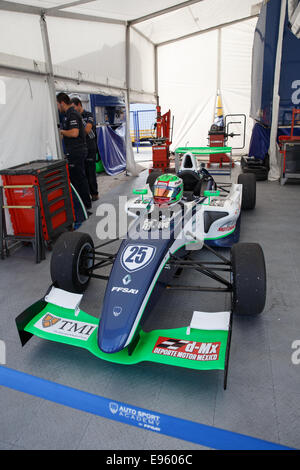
(173, 217)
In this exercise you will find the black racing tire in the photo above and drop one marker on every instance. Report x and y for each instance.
(248, 279)
(260, 170)
(260, 175)
(69, 256)
(152, 178)
(248, 180)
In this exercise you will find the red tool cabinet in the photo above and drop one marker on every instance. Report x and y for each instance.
(51, 178)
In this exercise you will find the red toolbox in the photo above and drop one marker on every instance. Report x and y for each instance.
(55, 198)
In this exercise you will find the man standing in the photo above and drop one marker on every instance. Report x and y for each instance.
(91, 141)
(75, 146)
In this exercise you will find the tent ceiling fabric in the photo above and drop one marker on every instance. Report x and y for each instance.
(133, 48)
(168, 22)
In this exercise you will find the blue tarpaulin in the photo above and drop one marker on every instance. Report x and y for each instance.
(112, 149)
(263, 67)
(260, 142)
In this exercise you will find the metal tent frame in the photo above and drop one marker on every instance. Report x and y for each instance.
(60, 11)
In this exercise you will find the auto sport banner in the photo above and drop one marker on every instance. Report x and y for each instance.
(263, 67)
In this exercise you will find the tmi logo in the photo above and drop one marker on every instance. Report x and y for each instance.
(2, 352)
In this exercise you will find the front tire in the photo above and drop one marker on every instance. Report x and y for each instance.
(73, 253)
(248, 279)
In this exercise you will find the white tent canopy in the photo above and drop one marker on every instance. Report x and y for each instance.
(181, 52)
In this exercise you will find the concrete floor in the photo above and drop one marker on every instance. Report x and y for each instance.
(263, 394)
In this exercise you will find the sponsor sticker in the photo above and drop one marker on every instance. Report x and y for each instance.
(65, 327)
(124, 290)
(227, 228)
(142, 418)
(135, 257)
(184, 349)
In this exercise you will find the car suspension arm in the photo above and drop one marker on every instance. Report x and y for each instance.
(106, 243)
(206, 271)
(198, 288)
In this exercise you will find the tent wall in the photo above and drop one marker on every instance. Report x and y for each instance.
(25, 121)
(86, 57)
(97, 54)
(189, 85)
(90, 54)
(142, 62)
(20, 36)
(236, 53)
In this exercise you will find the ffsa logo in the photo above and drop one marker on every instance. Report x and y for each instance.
(2, 352)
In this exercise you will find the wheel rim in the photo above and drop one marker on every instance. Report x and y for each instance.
(84, 262)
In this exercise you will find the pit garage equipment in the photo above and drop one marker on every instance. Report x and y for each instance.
(290, 151)
(38, 198)
(218, 137)
(162, 141)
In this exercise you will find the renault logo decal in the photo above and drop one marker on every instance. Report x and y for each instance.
(126, 279)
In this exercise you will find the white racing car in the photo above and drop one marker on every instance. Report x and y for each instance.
(174, 216)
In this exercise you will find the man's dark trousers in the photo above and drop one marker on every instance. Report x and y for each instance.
(90, 169)
(76, 163)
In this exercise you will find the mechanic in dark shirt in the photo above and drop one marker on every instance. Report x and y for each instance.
(91, 141)
(75, 146)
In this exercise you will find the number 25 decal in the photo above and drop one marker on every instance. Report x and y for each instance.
(135, 257)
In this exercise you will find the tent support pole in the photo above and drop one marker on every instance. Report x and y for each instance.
(130, 163)
(156, 75)
(164, 11)
(207, 30)
(274, 172)
(51, 85)
(219, 58)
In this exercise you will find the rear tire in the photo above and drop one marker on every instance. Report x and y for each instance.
(248, 181)
(248, 279)
(69, 258)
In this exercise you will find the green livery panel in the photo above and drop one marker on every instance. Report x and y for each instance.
(201, 349)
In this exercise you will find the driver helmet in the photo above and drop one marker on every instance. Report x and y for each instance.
(167, 189)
